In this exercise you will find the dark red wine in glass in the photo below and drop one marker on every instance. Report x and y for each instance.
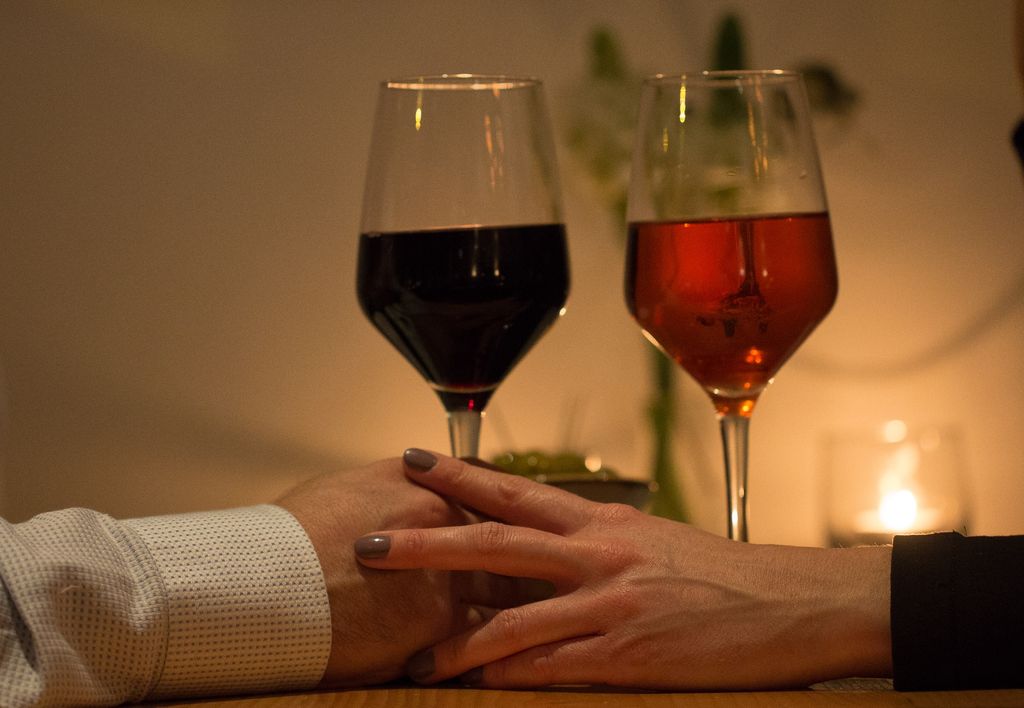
(464, 305)
(463, 262)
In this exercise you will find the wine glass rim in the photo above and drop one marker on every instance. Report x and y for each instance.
(727, 76)
(461, 82)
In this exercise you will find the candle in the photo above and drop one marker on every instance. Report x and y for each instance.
(894, 480)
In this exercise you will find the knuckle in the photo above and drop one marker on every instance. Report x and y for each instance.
(508, 626)
(615, 514)
(509, 488)
(623, 600)
(492, 536)
(613, 555)
(415, 541)
(457, 471)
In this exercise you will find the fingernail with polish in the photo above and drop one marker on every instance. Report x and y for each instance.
(419, 459)
(373, 546)
(421, 665)
(472, 677)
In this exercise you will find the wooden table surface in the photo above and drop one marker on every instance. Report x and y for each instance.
(419, 697)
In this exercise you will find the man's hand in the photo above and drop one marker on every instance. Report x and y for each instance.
(379, 618)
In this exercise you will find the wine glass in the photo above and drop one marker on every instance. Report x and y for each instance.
(463, 262)
(730, 263)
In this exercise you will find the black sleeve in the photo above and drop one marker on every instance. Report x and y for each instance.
(957, 612)
(1018, 141)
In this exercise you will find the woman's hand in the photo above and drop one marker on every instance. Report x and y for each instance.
(639, 601)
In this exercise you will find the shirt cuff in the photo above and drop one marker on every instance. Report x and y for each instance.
(247, 604)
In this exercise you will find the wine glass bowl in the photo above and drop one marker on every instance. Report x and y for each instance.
(463, 305)
(694, 291)
(463, 263)
(730, 263)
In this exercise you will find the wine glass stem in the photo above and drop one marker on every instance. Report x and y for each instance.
(464, 431)
(734, 444)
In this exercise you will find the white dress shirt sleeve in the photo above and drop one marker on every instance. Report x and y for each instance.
(96, 611)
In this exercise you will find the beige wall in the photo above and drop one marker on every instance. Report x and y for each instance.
(180, 201)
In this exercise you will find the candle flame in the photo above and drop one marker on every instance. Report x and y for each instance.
(898, 510)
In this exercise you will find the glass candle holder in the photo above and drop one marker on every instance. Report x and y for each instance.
(893, 479)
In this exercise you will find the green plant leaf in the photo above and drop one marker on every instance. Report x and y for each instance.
(730, 52)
